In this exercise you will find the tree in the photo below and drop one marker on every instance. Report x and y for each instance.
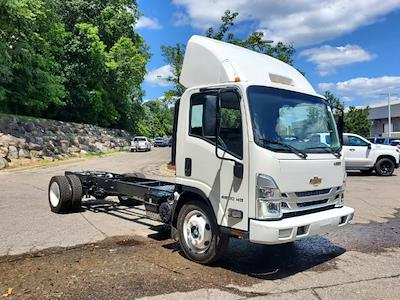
(74, 60)
(356, 121)
(105, 64)
(333, 100)
(173, 55)
(31, 40)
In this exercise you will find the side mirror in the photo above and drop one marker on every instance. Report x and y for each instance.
(340, 123)
(369, 146)
(210, 113)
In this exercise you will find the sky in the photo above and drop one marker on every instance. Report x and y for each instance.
(351, 48)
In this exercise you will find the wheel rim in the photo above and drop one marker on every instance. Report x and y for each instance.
(386, 168)
(197, 232)
(54, 194)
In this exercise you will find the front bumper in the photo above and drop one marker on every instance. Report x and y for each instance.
(295, 228)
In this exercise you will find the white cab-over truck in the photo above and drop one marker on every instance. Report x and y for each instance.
(246, 166)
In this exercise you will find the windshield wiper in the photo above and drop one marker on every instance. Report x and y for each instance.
(328, 150)
(292, 149)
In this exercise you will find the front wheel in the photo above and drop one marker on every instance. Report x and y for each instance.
(384, 167)
(199, 235)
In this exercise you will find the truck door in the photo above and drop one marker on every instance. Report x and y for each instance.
(357, 152)
(203, 170)
(233, 190)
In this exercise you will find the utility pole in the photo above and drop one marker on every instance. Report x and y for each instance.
(389, 117)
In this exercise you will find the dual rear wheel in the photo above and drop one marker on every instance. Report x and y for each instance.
(65, 193)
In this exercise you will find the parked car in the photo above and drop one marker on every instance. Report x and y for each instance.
(361, 154)
(396, 143)
(170, 141)
(381, 140)
(160, 142)
(140, 143)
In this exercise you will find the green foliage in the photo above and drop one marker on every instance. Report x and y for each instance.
(158, 119)
(255, 41)
(74, 60)
(356, 121)
(31, 39)
(333, 100)
(173, 55)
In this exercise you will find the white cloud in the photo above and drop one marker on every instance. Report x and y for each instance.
(149, 23)
(302, 22)
(328, 58)
(158, 77)
(181, 19)
(368, 90)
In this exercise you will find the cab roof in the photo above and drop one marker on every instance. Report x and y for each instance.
(209, 62)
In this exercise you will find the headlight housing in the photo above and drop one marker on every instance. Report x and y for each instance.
(268, 198)
(340, 203)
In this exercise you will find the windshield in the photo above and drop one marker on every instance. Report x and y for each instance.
(298, 120)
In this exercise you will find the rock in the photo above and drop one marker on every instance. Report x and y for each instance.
(3, 163)
(29, 126)
(74, 141)
(11, 140)
(23, 153)
(33, 146)
(36, 154)
(3, 151)
(12, 152)
(74, 149)
(50, 146)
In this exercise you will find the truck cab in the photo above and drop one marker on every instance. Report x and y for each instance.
(245, 162)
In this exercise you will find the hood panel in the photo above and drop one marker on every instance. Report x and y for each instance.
(295, 175)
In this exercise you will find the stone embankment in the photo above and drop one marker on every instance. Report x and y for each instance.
(26, 140)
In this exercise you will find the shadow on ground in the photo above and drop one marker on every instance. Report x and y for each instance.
(258, 261)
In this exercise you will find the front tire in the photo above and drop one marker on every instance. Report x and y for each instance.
(199, 235)
(60, 194)
(384, 167)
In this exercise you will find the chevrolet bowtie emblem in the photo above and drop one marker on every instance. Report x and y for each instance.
(315, 181)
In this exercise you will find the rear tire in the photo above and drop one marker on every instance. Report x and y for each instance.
(77, 191)
(384, 167)
(199, 235)
(60, 194)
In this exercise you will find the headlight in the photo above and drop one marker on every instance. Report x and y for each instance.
(268, 202)
(340, 203)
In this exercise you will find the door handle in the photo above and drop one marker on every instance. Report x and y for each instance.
(352, 149)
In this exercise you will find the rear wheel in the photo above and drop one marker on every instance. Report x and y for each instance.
(199, 235)
(60, 194)
(77, 191)
(384, 167)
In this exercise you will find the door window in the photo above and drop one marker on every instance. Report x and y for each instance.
(355, 141)
(231, 136)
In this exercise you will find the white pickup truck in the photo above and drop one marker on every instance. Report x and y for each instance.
(361, 154)
(246, 163)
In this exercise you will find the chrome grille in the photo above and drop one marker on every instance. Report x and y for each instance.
(312, 193)
(311, 203)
